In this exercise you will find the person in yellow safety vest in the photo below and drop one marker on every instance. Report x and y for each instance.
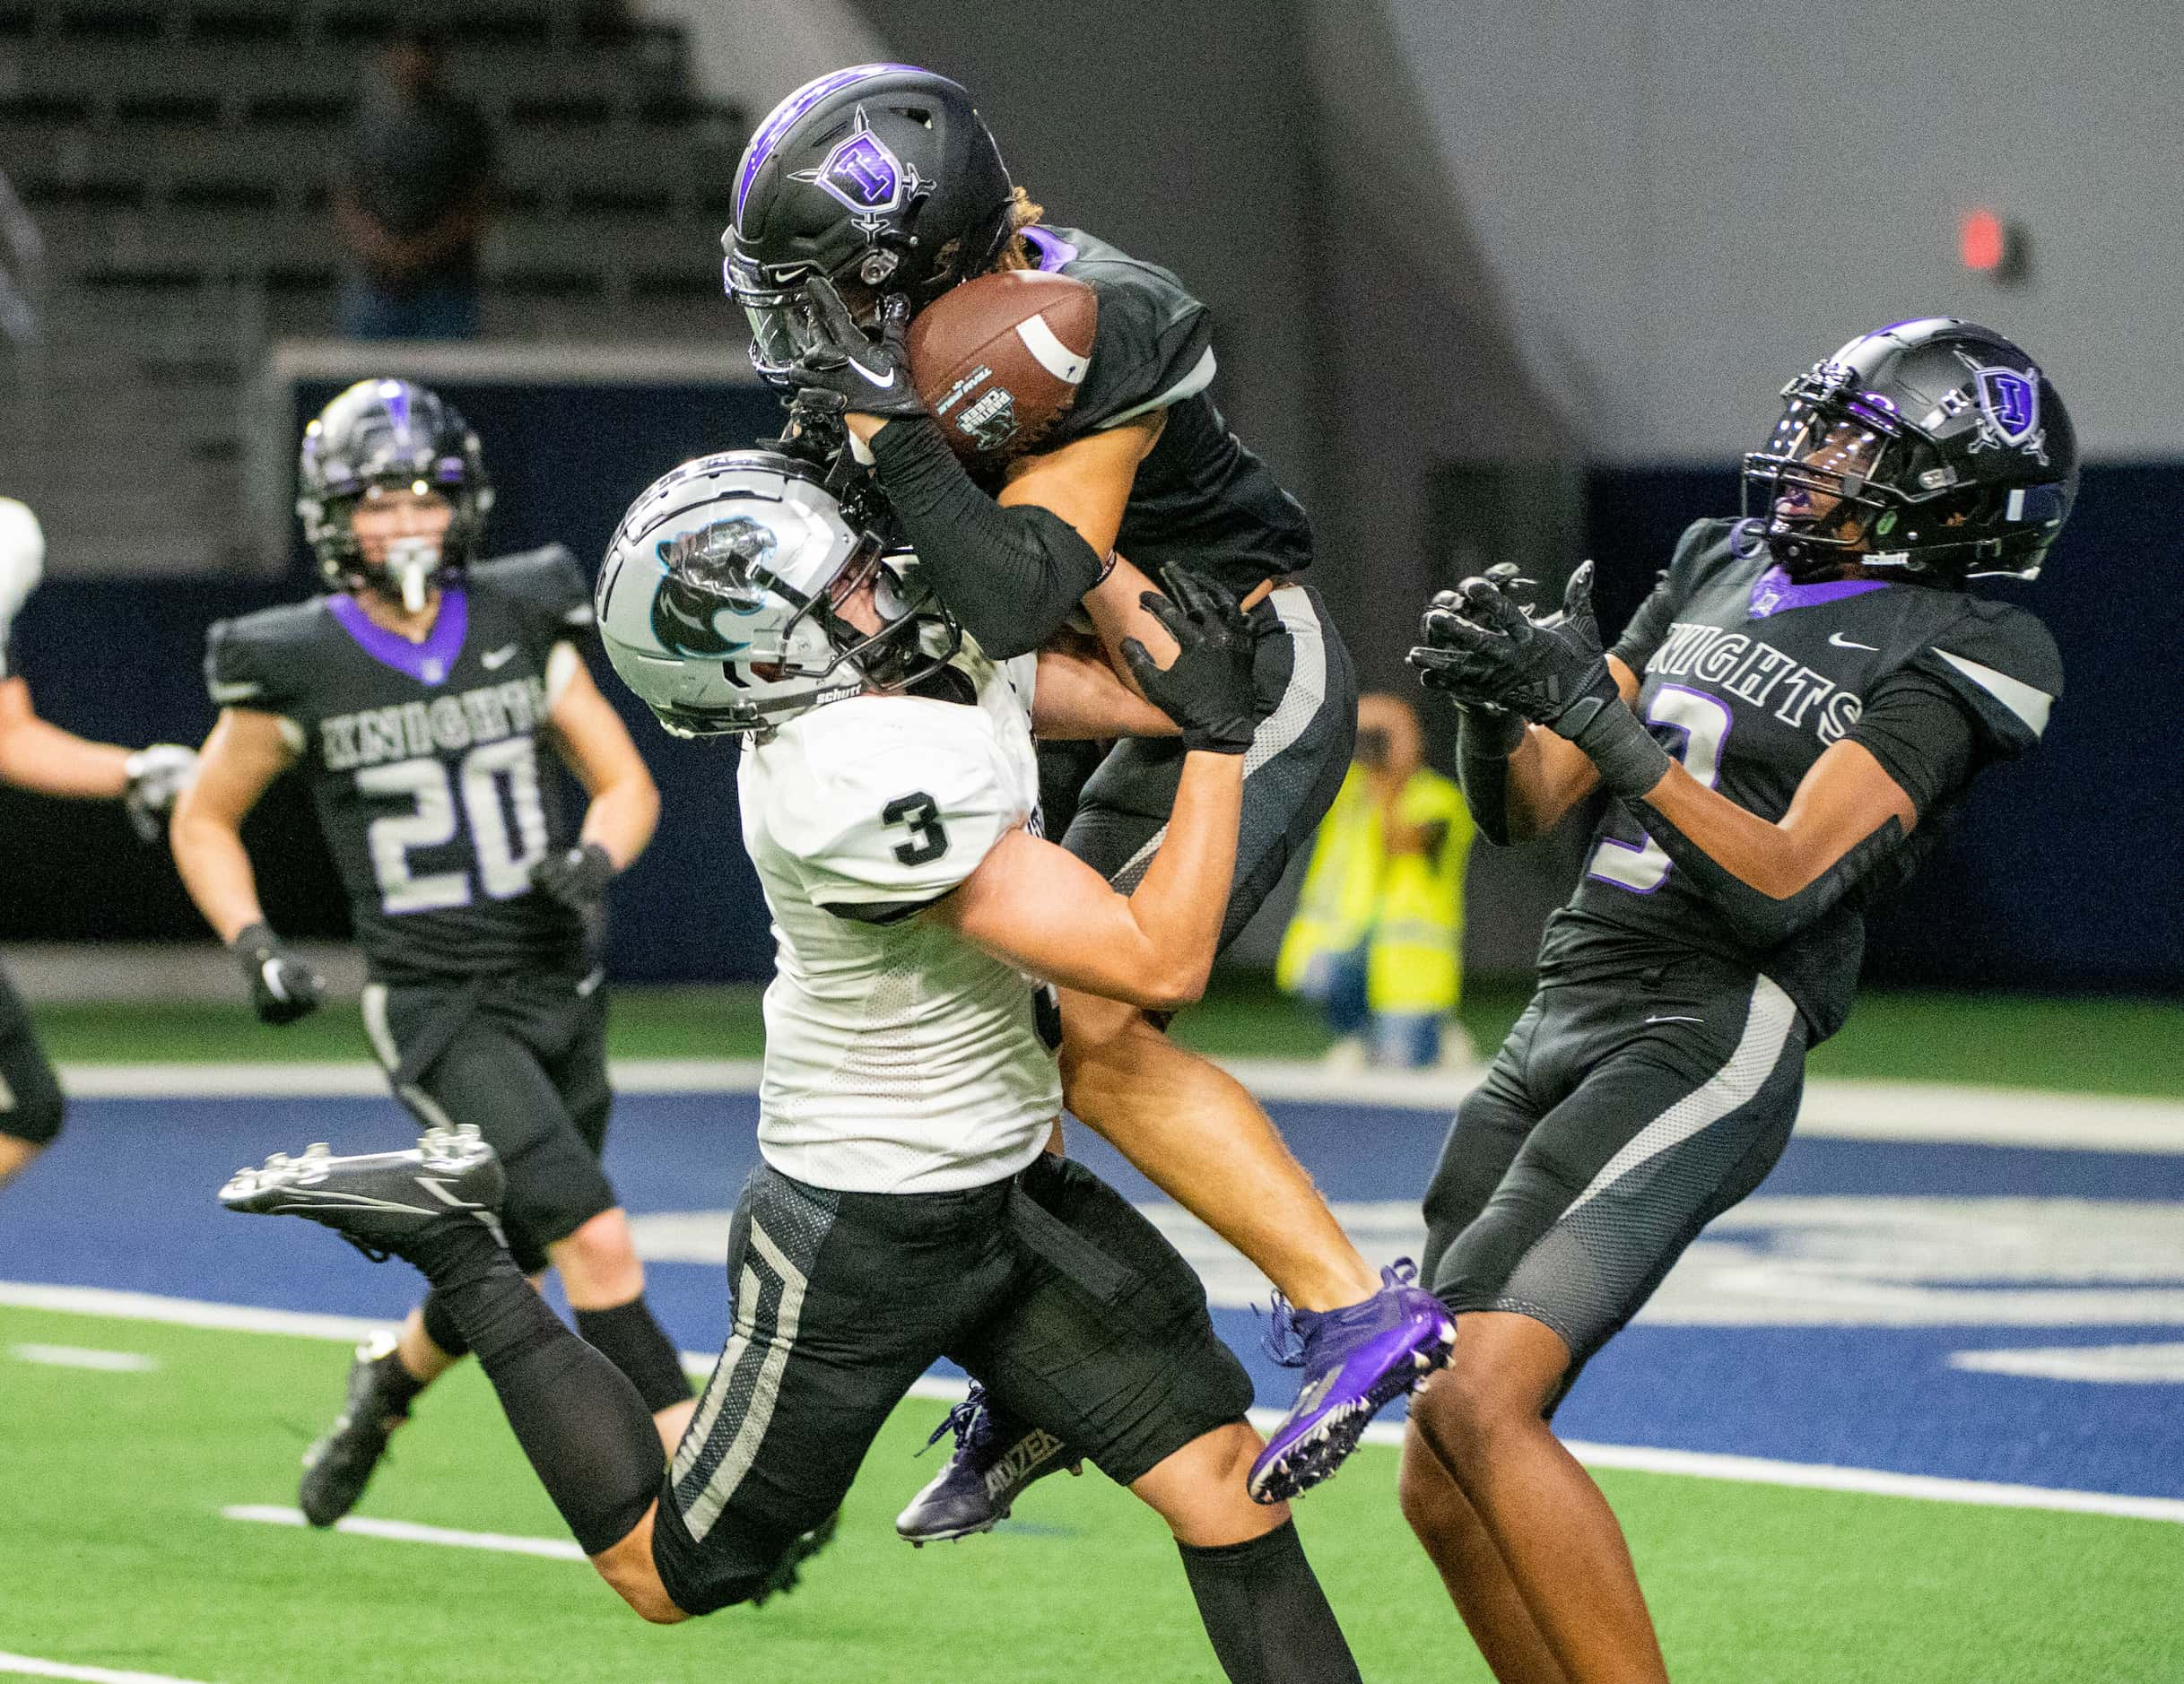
(1376, 940)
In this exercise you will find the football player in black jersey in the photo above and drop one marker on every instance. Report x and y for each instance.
(416, 695)
(1786, 728)
(37, 756)
(864, 195)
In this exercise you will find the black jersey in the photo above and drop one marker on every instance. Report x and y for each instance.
(1747, 679)
(1201, 498)
(424, 760)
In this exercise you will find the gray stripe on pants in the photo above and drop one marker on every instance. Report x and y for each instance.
(1301, 702)
(1767, 1027)
(747, 1428)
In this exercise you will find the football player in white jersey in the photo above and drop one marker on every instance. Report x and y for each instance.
(38, 756)
(909, 1207)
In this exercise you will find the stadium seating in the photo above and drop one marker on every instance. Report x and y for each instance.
(178, 157)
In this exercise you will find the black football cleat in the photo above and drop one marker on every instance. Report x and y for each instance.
(384, 1203)
(994, 1459)
(339, 1466)
(787, 1571)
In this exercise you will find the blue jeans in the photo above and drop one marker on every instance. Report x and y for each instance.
(1403, 1040)
(444, 309)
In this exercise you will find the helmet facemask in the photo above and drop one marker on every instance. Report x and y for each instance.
(1931, 448)
(1813, 490)
(771, 601)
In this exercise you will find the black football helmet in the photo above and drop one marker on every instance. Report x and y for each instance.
(884, 176)
(389, 435)
(1935, 446)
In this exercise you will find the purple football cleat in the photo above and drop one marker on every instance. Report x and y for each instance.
(995, 1459)
(1356, 1360)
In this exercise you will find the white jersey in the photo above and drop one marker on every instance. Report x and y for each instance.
(899, 1057)
(22, 559)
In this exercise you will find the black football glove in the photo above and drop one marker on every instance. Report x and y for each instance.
(282, 987)
(1208, 690)
(862, 375)
(577, 877)
(1483, 647)
(156, 777)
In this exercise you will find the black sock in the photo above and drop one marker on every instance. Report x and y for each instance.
(588, 1433)
(394, 1384)
(439, 1327)
(629, 1337)
(1266, 1613)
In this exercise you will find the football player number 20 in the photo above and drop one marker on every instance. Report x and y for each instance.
(1705, 725)
(497, 786)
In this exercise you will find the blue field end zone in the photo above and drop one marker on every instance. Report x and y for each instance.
(2005, 1314)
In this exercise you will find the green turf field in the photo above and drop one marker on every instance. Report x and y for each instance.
(2096, 1046)
(115, 1555)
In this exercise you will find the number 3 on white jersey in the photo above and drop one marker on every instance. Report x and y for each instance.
(1705, 725)
(504, 860)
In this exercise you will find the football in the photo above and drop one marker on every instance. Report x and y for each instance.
(998, 358)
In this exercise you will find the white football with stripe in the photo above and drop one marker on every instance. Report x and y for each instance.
(998, 358)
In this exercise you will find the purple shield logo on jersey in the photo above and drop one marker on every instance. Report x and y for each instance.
(863, 174)
(2010, 400)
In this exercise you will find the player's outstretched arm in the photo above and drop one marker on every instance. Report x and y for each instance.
(1046, 911)
(595, 746)
(38, 756)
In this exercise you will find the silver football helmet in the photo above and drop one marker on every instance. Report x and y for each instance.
(722, 599)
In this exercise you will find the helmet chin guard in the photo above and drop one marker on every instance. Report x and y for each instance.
(722, 599)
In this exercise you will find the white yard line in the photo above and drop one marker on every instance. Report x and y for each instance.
(82, 1357)
(1834, 1109)
(25, 1666)
(1690, 1463)
(1874, 1482)
(409, 1532)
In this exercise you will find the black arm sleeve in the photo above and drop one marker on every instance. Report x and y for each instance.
(1919, 730)
(1760, 920)
(1483, 744)
(1010, 575)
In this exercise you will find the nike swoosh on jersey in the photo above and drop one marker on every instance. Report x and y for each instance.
(493, 660)
(1842, 642)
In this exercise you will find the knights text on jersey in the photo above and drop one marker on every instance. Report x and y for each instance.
(1201, 499)
(425, 759)
(1747, 679)
(899, 1057)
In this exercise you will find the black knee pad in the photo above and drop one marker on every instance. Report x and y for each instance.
(629, 1337)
